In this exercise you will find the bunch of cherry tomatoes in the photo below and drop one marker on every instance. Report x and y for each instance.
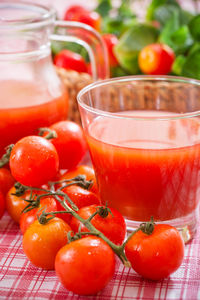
(63, 222)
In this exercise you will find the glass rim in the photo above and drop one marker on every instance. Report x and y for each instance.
(158, 78)
(46, 16)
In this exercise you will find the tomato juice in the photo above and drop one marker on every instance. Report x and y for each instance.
(26, 106)
(146, 167)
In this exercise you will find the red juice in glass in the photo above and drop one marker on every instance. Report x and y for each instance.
(146, 172)
(143, 134)
(24, 107)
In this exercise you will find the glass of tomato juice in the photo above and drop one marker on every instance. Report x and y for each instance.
(143, 134)
(31, 93)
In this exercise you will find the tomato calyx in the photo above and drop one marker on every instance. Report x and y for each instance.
(148, 227)
(6, 157)
(51, 133)
(19, 189)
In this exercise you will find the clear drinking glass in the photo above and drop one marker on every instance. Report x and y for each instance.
(143, 134)
(31, 94)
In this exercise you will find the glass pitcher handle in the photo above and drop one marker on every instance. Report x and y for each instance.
(86, 36)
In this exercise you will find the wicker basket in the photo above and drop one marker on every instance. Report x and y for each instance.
(74, 82)
(164, 96)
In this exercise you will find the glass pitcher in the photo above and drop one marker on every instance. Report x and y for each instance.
(31, 94)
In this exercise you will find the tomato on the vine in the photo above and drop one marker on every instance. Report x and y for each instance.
(41, 242)
(6, 180)
(71, 61)
(80, 197)
(82, 170)
(112, 226)
(27, 218)
(2, 205)
(83, 15)
(157, 255)
(16, 204)
(156, 59)
(34, 161)
(85, 266)
(70, 143)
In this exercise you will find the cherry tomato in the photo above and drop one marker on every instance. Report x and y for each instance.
(6, 180)
(2, 205)
(82, 170)
(15, 204)
(70, 60)
(70, 143)
(111, 40)
(80, 197)
(42, 242)
(49, 204)
(85, 266)
(156, 59)
(80, 14)
(72, 10)
(34, 161)
(113, 226)
(157, 255)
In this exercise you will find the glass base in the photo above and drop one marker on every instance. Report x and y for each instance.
(186, 225)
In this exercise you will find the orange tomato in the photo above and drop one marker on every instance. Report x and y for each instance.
(42, 242)
(15, 205)
(156, 59)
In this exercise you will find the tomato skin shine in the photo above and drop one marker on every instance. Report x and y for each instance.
(157, 255)
(34, 161)
(85, 266)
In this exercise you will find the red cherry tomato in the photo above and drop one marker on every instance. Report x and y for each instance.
(72, 11)
(70, 143)
(113, 226)
(82, 170)
(85, 266)
(70, 60)
(80, 14)
(156, 59)
(49, 204)
(42, 242)
(111, 40)
(34, 161)
(157, 255)
(6, 180)
(80, 197)
(2, 205)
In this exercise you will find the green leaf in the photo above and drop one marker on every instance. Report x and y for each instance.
(182, 39)
(186, 17)
(165, 12)
(131, 42)
(191, 67)
(178, 65)
(104, 7)
(118, 72)
(152, 7)
(155, 4)
(194, 27)
(118, 25)
(124, 9)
